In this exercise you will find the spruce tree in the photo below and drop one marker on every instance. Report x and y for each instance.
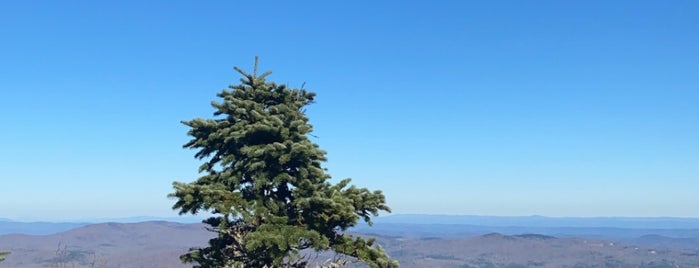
(263, 181)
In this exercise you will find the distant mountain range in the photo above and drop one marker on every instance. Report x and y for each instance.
(541, 221)
(464, 230)
(444, 225)
(36, 228)
(8, 226)
(159, 243)
(146, 244)
(459, 226)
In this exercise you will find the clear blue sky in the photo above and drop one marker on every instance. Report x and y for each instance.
(557, 108)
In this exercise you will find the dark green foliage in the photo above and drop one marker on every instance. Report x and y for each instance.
(263, 181)
(2, 255)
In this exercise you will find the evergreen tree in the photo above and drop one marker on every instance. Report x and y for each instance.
(263, 181)
(2, 255)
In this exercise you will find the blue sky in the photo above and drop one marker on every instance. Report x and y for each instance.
(555, 108)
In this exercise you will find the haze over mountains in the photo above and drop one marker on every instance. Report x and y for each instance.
(415, 240)
(542, 221)
(603, 227)
(8, 226)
